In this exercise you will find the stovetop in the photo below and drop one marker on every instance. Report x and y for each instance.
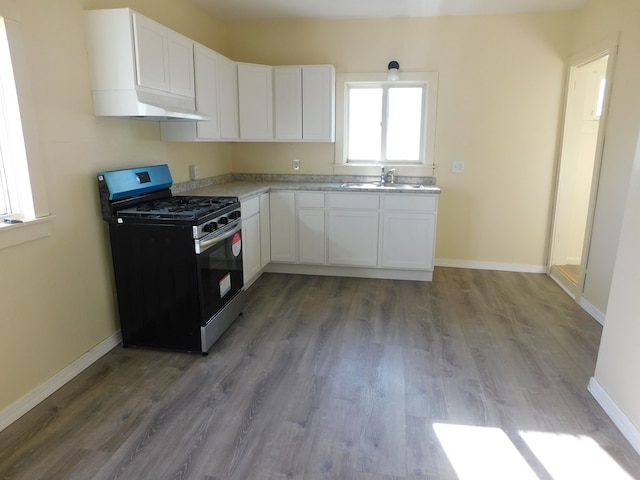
(190, 209)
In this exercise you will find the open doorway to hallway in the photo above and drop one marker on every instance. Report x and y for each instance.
(582, 142)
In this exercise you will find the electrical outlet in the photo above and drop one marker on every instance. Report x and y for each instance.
(194, 172)
(296, 164)
(457, 167)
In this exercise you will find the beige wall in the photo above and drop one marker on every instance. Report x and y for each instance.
(501, 84)
(614, 256)
(619, 354)
(597, 22)
(56, 292)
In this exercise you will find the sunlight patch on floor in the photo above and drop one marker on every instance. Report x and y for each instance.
(482, 453)
(567, 457)
(488, 453)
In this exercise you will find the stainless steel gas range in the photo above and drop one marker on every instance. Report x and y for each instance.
(177, 260)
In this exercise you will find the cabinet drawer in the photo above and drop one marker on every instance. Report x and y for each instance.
(410, 203)
(363, 201)
(310, 200)
(250, 207)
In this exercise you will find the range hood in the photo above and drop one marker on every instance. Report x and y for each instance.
(144, 106)
(139, 68)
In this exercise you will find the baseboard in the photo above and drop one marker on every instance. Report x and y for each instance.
(357, 272)
(626, 427)
(591, 310)
(26, 403)
(504, 267)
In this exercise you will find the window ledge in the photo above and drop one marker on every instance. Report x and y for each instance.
(17, 233)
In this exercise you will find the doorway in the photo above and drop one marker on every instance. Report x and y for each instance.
(582, 143)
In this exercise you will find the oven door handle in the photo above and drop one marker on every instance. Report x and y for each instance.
(203, 245)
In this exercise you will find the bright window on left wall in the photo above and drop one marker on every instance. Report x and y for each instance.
(16, 199)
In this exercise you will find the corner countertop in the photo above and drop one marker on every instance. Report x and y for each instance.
(245, 189)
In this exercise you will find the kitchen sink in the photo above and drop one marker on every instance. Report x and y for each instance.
(385, 186)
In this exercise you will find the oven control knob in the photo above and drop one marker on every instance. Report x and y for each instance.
(210, 227)
(223, 220)
(235, 215)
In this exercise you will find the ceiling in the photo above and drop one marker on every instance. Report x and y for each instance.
(252, 10)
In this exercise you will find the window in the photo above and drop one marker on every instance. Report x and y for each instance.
(385, 122)
(18, 174)
(15, 190)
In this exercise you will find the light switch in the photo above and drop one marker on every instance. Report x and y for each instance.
(457, 167)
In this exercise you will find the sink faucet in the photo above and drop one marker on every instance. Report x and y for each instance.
(388, 176)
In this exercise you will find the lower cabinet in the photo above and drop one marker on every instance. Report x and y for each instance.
(387, 235)
(408, 231)
(311, 231)
(251, 243)
(406, 240)
(283, 227)
(250, 213)
(255, 237)
(265, 230)
(353, 229)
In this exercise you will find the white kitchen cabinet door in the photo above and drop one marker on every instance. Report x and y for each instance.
(228, 98)
(216, 97)
(181, 70)
(353, 238)
(250, 247)
(408, 240)
(288, 103)
(206, 72)
(164, 58)
(311, 244)
(318, 103)
(265, 230)
(283, 227)
(152, 53)
(255, 101)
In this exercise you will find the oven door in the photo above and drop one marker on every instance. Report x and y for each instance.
(219, 270)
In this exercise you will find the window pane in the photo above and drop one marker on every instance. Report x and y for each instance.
(365, 127)
(5, 206)
(404, 124)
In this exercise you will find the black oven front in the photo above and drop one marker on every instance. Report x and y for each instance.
(170, 296)
(220, 277)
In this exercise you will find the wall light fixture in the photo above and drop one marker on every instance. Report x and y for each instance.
(394, 74)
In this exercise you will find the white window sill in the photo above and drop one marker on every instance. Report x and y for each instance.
(18, 233)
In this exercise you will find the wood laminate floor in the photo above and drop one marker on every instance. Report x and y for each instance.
(475, 375)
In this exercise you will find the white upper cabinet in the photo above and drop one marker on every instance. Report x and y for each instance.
(288, 102)
(228, 98)
(216, 97)
(164, 58)
(255, 101)
(318, 103)
(305, 103)
(206, 67)
(152, 53)
(138, 67)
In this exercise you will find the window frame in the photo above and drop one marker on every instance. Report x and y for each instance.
(423, 168)
(23, 164)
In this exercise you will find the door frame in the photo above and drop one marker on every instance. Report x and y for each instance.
(609, 47)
